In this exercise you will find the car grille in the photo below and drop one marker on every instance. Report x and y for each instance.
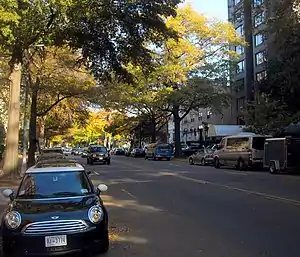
(57, 226)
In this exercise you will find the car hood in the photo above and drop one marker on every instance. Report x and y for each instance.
(65, 208)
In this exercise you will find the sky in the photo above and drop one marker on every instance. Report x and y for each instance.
(212, 8)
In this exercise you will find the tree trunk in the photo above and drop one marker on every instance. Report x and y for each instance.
(11, 159)
(153, 132)
(177, 120)
(32, 128)
(41, 127)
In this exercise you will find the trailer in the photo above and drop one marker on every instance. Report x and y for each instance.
(282, 154)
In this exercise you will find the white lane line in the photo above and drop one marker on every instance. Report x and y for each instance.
(235, 173)
(96, 173)
(130, 194)
(268, 196)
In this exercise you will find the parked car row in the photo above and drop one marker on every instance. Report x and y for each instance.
(248, 150)
(56, 210)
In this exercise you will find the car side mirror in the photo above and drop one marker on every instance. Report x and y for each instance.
(102, 188)
(8, 193)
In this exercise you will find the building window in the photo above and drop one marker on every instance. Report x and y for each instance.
(240, 30)
(259, 39)
(260, 58)
(238, 15)
(259, 19)
(193, 119)
(261, 75)
(239, 85)
(240, 103)
(240, 67)
(239, 49)
(235, 2)
(257, 3)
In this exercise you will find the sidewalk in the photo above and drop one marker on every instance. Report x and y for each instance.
(8, 181)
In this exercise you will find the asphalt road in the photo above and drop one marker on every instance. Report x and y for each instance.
(160, 208)
(171, 209)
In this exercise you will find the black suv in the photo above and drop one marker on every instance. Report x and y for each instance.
(98, 153)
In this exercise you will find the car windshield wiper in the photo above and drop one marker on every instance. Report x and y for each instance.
(66, 194)
(33, 196)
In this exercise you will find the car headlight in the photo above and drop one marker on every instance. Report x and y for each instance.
(13, 219)
(95, 214)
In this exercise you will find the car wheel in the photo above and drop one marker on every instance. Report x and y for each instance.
(91, 162)
(87, 161)
(240, 165)
(191, 161)
(203, 162)
(217, 163)
(108, 162)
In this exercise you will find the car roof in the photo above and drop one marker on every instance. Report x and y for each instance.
(56, 162)
(52, 153)
(69, 168)
(246, 134)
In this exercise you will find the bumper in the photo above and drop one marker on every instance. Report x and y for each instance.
(209, 160)
(77, 242)
(100, 159)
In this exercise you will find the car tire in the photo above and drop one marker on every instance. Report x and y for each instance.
(191, 161)
(91, 162)
(202, 162)
(87, 161)
(240, 165)
(168, 159)
(108, 162)
(217, 163)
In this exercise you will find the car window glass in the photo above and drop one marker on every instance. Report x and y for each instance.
(54, 184)
(100, 149)
(238, 143)
(258, 143)
(222, 144)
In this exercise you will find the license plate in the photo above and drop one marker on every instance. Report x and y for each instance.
(54, 241)
(100, 158)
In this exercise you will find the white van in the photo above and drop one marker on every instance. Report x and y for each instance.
(241, 151)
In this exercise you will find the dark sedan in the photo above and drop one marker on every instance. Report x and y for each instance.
(55, 211)
(137, 152)
(120, 151)
(98, 153)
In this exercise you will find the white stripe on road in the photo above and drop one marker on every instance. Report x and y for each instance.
(268, 196)
(130, 194)
(96, 173)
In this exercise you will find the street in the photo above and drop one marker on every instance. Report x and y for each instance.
(160, 208)
(173, 209)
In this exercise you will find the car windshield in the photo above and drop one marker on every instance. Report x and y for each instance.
(258, 143)
(209, 150)
(99, 149)
(51, 157)
(54, 184)
(58, 150)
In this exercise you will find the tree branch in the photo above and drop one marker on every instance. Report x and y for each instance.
(43, 113)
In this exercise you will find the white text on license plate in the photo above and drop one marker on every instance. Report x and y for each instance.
(53, 241)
